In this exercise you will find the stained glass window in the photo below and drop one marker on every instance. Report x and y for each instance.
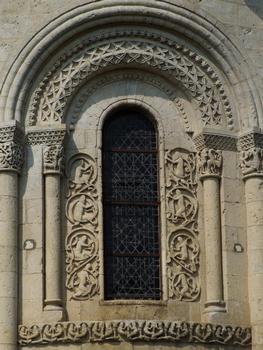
(131, 207)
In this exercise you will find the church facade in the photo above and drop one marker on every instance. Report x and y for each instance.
(131, 175)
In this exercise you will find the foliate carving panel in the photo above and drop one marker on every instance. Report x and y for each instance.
(181, 213)
(82, 262)
(187, 67)
(132, 331)
(210, 162)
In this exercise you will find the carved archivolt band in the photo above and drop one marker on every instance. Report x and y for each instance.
(181, 212)
(74, 67)
(82, 265)
(132, 331)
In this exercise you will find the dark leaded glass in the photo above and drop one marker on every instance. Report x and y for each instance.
(131, 207)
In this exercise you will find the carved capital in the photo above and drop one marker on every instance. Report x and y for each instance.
(209, 163)
(11, 149)
(11, 156)
(53, 157)
(251, 162)
(251, 154)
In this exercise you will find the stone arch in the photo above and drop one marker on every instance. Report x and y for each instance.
(165, 15)
(159, 53)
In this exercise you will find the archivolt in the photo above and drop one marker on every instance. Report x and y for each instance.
(163, 14)
(144, 49)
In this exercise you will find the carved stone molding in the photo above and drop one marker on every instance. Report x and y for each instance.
(133, 331)
(11, 147)
(53, 158)
(78, 64)
(209, 163)
(82, 261)
(45, 136)
(181, 212)
(215, 141)
(250, 140)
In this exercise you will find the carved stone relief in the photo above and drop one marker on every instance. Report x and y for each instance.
(132, 331)
(181, 213)
(209, 162)
(251, 161)
(53, 157)
(11, 156)
(79, 63)
(82, 262)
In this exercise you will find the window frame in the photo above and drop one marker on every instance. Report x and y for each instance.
(155, 118)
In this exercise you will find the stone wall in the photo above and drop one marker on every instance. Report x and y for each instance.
(194, 66)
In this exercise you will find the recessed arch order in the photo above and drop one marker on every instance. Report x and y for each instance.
(187, 48)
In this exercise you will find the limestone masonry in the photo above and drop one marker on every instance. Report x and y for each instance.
(131, 174)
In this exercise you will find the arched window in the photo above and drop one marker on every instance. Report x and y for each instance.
(131, 207)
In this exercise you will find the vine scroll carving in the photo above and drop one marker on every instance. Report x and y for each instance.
(181, 212)
(82, 263)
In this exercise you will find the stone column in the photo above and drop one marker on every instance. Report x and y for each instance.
(209, 167)
(53, 156)
(11, 159)
(252, 169)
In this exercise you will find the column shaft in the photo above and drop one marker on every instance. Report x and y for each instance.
(8, 260)
(212, 223)
(53, 240)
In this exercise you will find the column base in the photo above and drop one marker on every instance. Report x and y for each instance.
(215, 306)
(53, 304)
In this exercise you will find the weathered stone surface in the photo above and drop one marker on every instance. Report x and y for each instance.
(195, 67)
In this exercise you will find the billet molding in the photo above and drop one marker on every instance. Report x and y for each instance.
(155, 331)
(127, 47)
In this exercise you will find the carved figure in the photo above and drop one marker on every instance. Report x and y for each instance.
(84, 248)
(85, 282)
(251, 161)
(180, 250)
(209, 162)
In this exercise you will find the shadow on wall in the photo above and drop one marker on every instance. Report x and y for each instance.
(256, 6)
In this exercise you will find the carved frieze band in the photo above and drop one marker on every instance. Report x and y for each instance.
(132, 331)
(11, 148)
(209, 163)
(181, 212)
(125, 47)
(82, 261)
(53, 158)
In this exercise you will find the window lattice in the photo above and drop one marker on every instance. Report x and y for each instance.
(131, 207)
